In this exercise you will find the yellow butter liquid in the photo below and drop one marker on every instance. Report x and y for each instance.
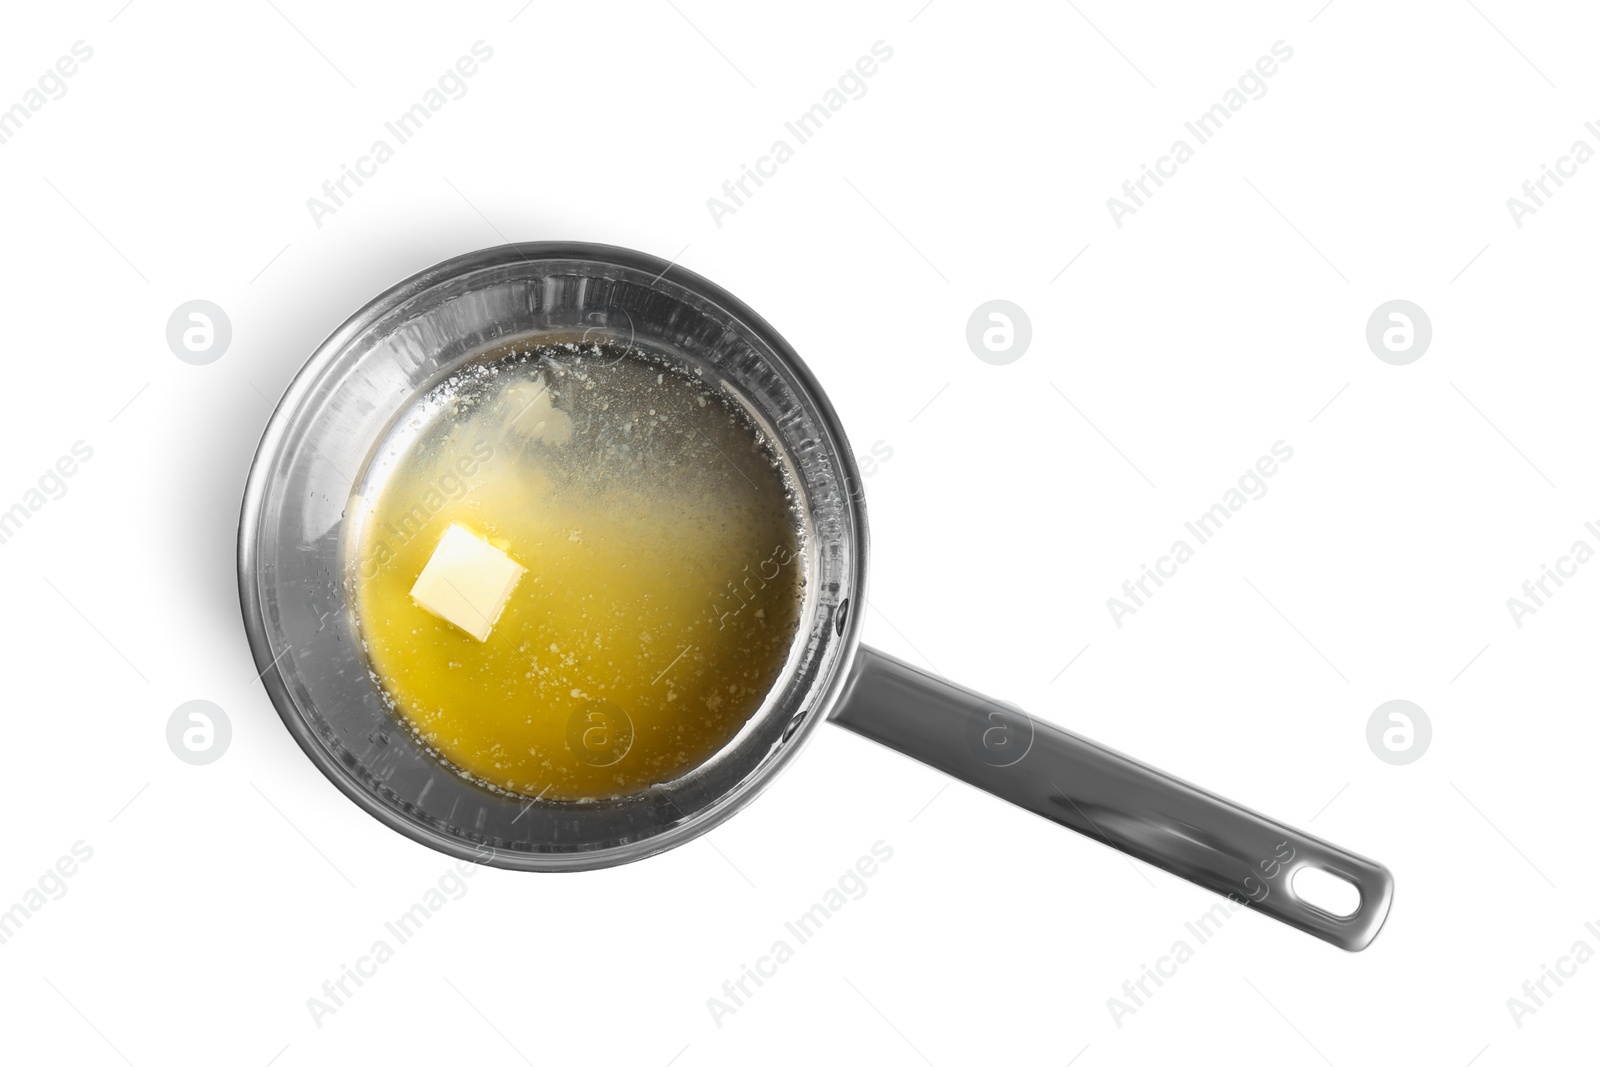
(664, 570)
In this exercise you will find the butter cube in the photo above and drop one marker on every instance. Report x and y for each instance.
(467, 582)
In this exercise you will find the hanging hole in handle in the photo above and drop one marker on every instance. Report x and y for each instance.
(1326, 891)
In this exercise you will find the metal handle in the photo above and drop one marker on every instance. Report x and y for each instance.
(1101, 793)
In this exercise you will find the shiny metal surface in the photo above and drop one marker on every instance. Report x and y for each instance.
(318, 446)
(1108, 796)
(304, 639)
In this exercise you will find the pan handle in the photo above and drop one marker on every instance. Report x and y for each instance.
(1103, 794)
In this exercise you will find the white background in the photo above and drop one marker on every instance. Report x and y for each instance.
(1227, 314)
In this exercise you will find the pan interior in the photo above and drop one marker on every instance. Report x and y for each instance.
(346, 408)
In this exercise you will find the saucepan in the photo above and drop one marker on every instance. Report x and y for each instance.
(305, 637)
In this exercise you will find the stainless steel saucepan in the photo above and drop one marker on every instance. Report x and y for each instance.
(303, 633)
